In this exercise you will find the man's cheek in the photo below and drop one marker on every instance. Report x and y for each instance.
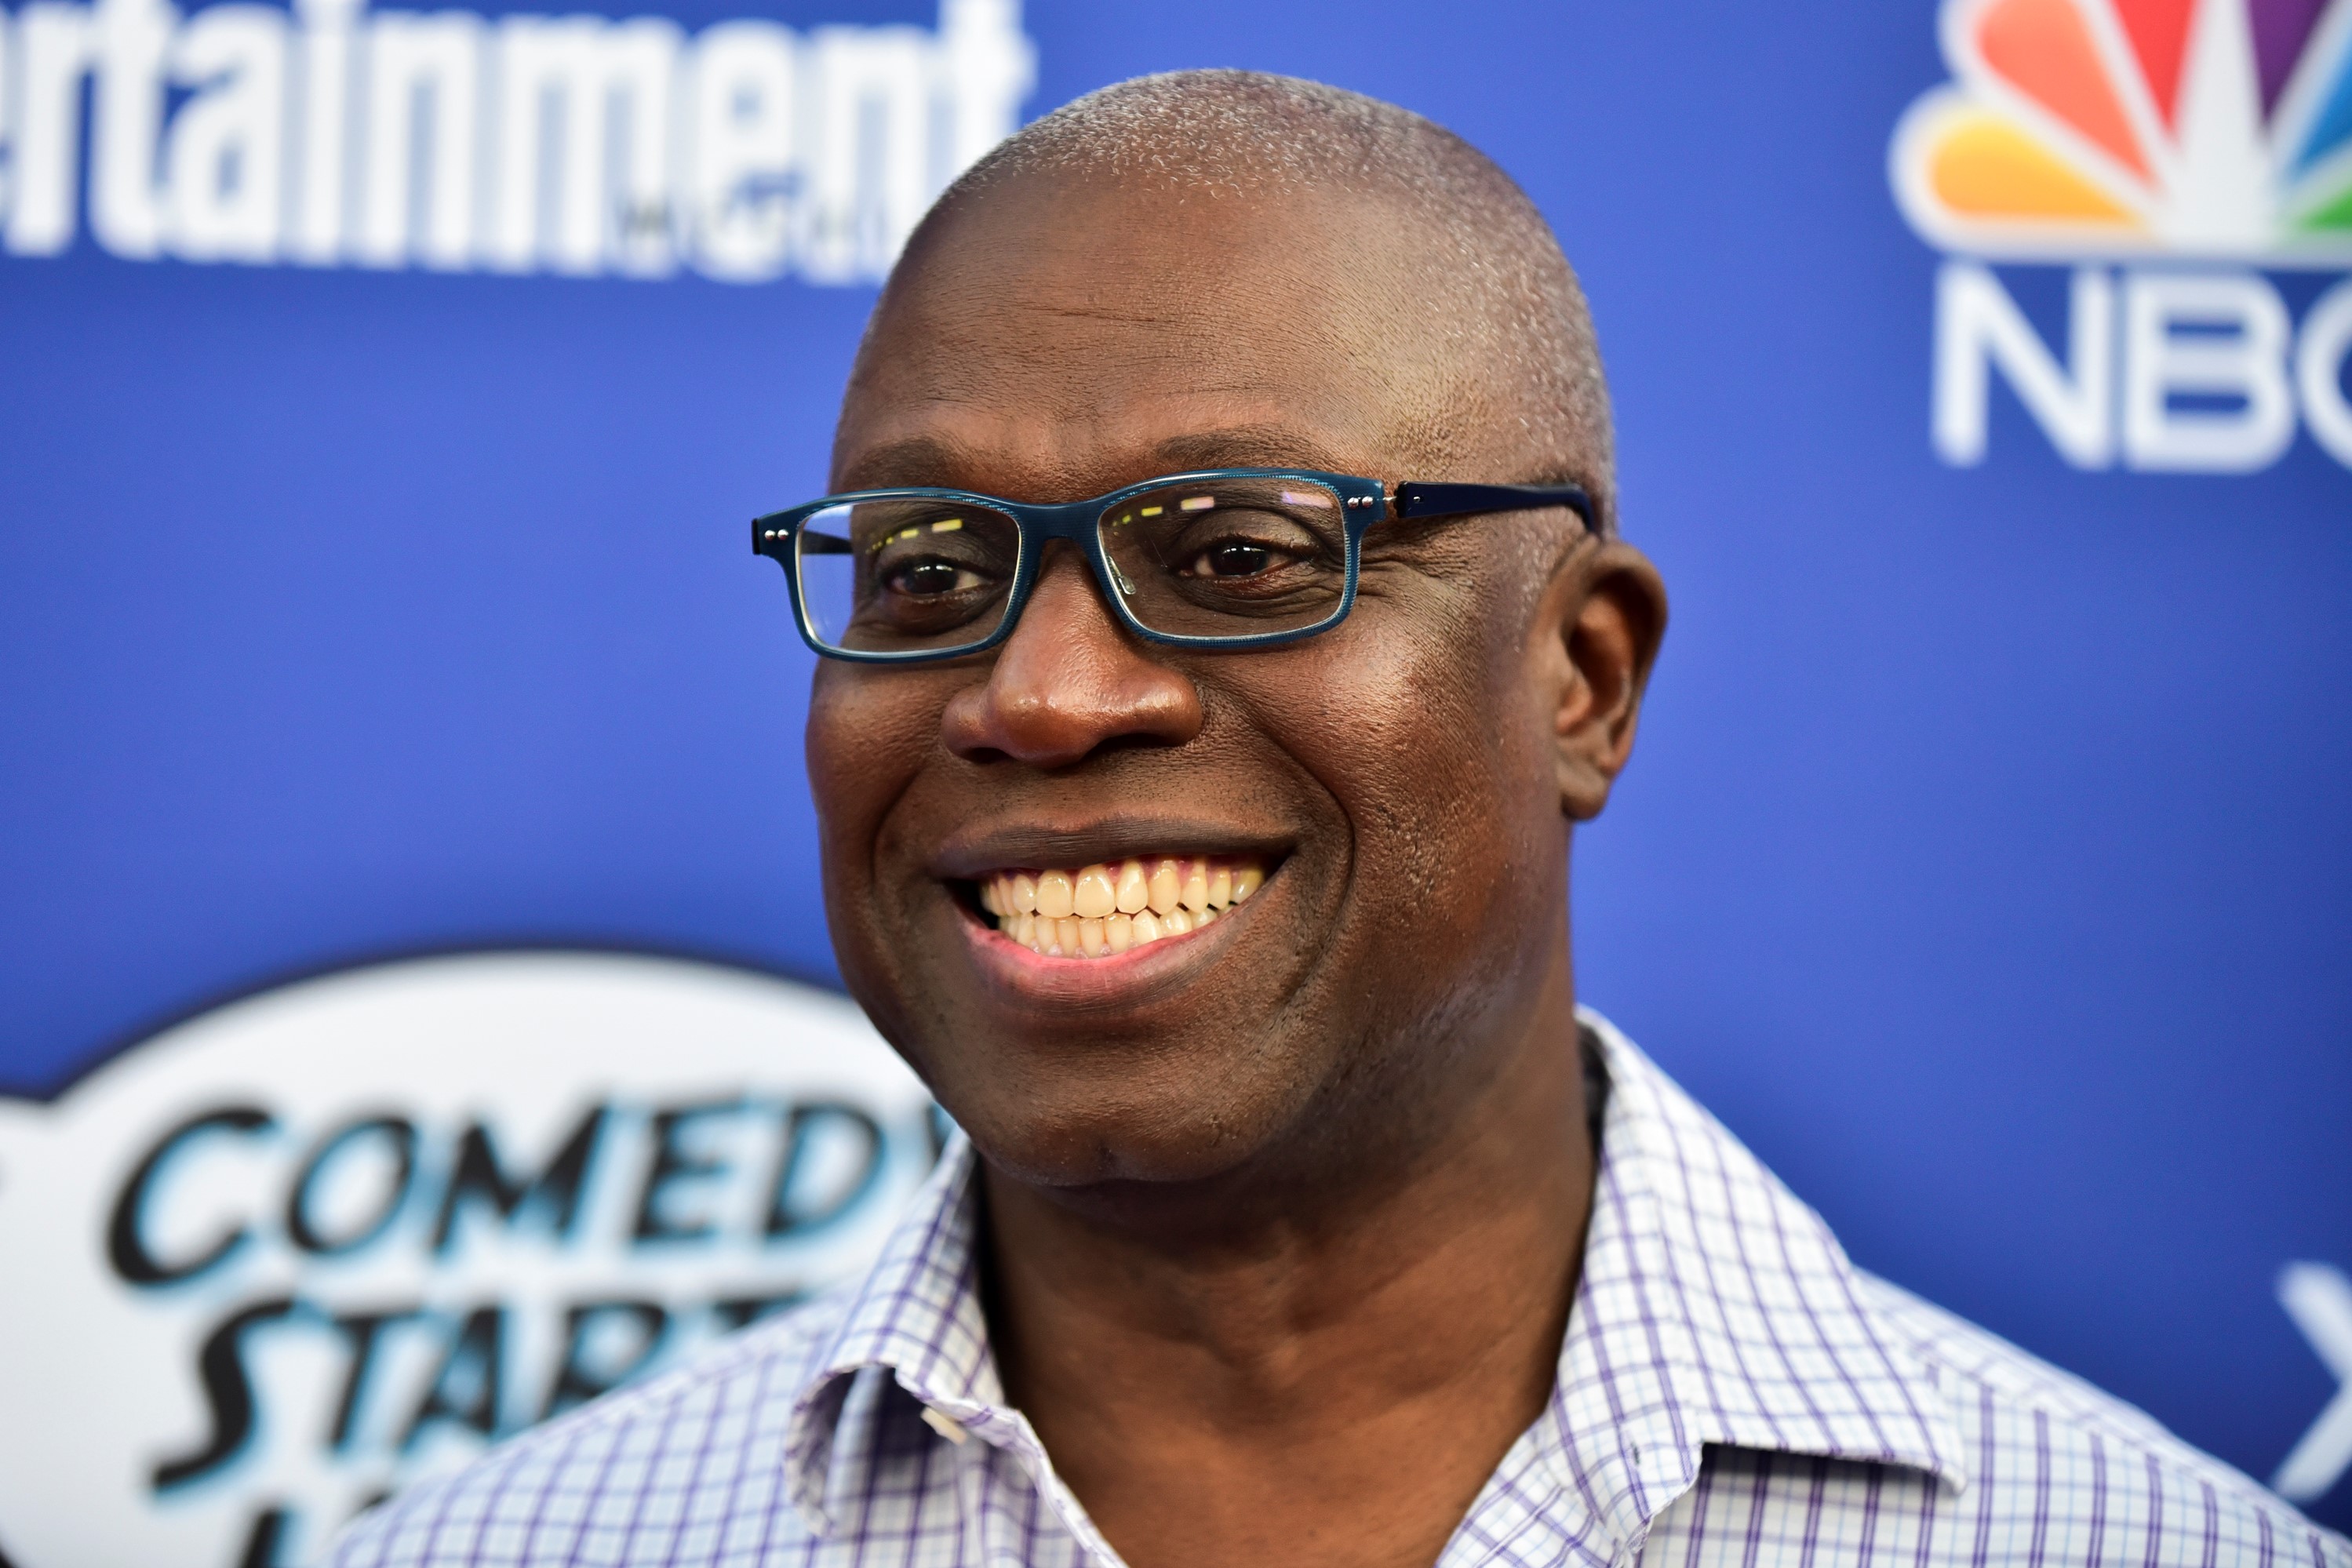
(865, 741)
(823, 741)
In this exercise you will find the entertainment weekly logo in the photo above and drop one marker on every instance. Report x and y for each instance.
(2175, 151)
(333, 136)
(279, 1261)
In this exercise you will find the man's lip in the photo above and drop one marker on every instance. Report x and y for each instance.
(977, 851)
(1118, 982)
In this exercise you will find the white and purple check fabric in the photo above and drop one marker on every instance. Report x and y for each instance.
(1733, 1393)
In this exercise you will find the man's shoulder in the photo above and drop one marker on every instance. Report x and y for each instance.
(2033, 1468)
(697, 1452)
(2039, 1442)
(1979, 1369)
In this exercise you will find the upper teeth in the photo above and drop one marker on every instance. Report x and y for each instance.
(1105, 908)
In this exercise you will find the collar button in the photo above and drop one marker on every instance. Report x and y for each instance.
(947, 1427)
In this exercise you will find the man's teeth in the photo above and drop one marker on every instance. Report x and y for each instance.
(1104, 909)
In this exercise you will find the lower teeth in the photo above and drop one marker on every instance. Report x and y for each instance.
(1100, 910)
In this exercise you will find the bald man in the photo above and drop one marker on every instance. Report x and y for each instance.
(1224, 627)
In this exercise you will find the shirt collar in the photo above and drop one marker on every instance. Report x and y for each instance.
(917, 1315)
(1714, 1307)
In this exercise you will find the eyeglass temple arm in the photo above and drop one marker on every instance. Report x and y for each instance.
(1415, 500)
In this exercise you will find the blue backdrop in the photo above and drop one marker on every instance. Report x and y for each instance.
(1985, 863)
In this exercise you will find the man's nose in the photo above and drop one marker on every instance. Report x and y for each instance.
(1069, 679)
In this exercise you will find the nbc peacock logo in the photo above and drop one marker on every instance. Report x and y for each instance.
(2132, 126)
(2175, 153)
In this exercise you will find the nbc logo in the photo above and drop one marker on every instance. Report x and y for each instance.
(2173, 150)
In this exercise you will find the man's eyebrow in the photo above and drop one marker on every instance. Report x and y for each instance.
(926, 460)
(1244, 447)
(920, 460)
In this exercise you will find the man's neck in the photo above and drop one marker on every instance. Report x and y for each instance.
(1318, 1381)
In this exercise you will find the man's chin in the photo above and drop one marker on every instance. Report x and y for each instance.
(1074, 1073)
(1107, 1140)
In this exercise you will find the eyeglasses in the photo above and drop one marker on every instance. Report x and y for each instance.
(1224, 558)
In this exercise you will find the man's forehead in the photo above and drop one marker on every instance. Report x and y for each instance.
(1021, 342)
(1175, 259)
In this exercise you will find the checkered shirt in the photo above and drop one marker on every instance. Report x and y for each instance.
(1732, 1394)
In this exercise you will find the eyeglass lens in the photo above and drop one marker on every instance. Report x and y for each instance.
(1217, 558)
(1229, 557)
(905, 576)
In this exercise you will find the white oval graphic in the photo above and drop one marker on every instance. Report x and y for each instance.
(279, 1259)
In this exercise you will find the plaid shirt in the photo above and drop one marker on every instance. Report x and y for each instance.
(1732, 1392)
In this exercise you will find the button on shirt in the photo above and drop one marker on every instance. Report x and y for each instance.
(1732, 1394)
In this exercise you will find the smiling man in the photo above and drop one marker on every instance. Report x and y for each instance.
(1224, 628)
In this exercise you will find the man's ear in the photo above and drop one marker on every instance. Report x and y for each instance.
(1607, 610)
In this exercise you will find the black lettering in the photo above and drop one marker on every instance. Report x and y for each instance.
(362, 1332)
(401, 1134)
(376, 1499)
(673, 1164)
(464, 1391)
(126, 1232)
(229, 1392)
(477, 1174)
(261, 1542)
(585, 1374)
(787, 1215)
(733, 1312)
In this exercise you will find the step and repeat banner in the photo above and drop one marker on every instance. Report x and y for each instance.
(415, 1009)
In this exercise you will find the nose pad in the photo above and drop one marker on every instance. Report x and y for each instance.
(1118, 577)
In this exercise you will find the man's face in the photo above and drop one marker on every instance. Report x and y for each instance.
(1394, 778)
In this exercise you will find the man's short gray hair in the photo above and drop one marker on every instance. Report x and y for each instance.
(1500, 286)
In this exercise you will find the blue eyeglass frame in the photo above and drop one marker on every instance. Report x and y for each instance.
(1364, 502)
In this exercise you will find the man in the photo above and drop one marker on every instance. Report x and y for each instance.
(1197, 766)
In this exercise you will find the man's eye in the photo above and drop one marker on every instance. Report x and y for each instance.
(925, 578)
(1234, 558)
